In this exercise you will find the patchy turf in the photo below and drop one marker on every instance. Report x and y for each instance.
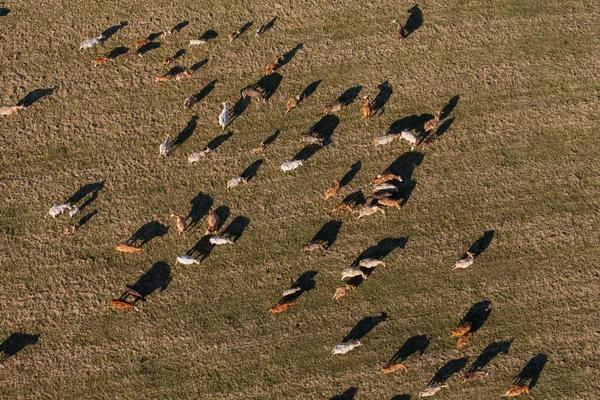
(517, 158)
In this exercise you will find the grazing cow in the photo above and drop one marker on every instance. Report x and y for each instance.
(291, 165)
(91, 42)
(126, 248)
(129, 56)
(465, 262)
(189, 101)
(432, 389)
(234, 35)
(351, 272)
(141, 43)
(342, 206)
(332, 191)
(391, 368)
(58, 209)
(280, 307)
(342, 291)
(197, 42)
(308, 138)
(180, 222)
(224, 116)
(332, 108)
(312, 246)
(385, 139)
(163, 149)
(272, 67)
(253, 94)
(464, 339)
(367, 108)
(291, 291)
(345, 347)
(213, 222)
(6, 111)
(102, 60)
(474, 374)
(400, 32)
(387, 202)
(184, 74)
(259, 149)
(410, 137)
(370, 263)
(291, 103)
(432, 123)
(123, 305)
(233, 182)
(381, 178)
(186, 260)
(516, 390)
(369, 210)
(461, 330)
(195, 157)
(69, 230)
(166, 34)
(385, 186)
(219, 240)
(162, 78)
(73, 211)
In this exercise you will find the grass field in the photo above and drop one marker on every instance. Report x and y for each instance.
(519, 81)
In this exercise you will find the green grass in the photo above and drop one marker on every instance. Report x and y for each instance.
(519, 158)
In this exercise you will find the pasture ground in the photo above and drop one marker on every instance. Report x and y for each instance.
(519, 158)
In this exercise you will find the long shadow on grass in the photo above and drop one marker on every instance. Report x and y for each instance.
(489, 353)
(158, 277)
(236, 228)
(91, 188)
(147, 47)
(449, 369)
(246, 26)
(198, 65)
(482, 243)
(310, 89)
(208, 35)
(348, 394)
(413, 123)
(218, 141)
(322, 130)
(268, 25)
(531, 372)
(305, 282)
(347, 178)
(250, 172)
(477, 315)
(4, 11)
(287, 57)
(415, 344)
(404, 167)
(414, 21)
(401, 397)
(268, 84)
(205, 91)
(180, 26)
(379, 252)
(201, 204)
(385, 92)
(365, 326)
(185, 133)
(223, 213)
(117, 51)
(147, 232)
(328, 233)
(349, 95)
(15, 343)
(35, 96)
(108, 33)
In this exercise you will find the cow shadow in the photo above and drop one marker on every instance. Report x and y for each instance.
(271, 138)
(35, 96)
(223, 213)
(450, 368)
(236, 228)
(413, 123)
(15, 343)
(404, 167)
(180, 53)
(147, 232)
(477, 315)
(378, 252)
(201, 204)
(108, 33)
(418, 343)
(202, 249)
(347, 178)
(153, 36)
(489, 353)
(348, 394)
(482, 243)
(246, 26)
(208, 35)
(85, 219)
(239, 107)
(180, 26)
(288, 56)
(448, 108)
(385, 92)
(198, 65)
(158, 277)
(218, 141)
(90, 188)
(365, 326)
(531, 372)
(147, 47)
(323, 129)
(305, 282)
(205, 91)
(269, 25)
(185, 133)
(268, 84)
(414, 21)
(117, 51)
(444, 126)
(174, 70)
(401, 397)
(327, 235)
(310, 89)
(355, 199)
(4, 11)
(250, 172)
(349, 95)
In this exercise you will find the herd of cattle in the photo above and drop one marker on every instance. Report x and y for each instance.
(384, 195)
